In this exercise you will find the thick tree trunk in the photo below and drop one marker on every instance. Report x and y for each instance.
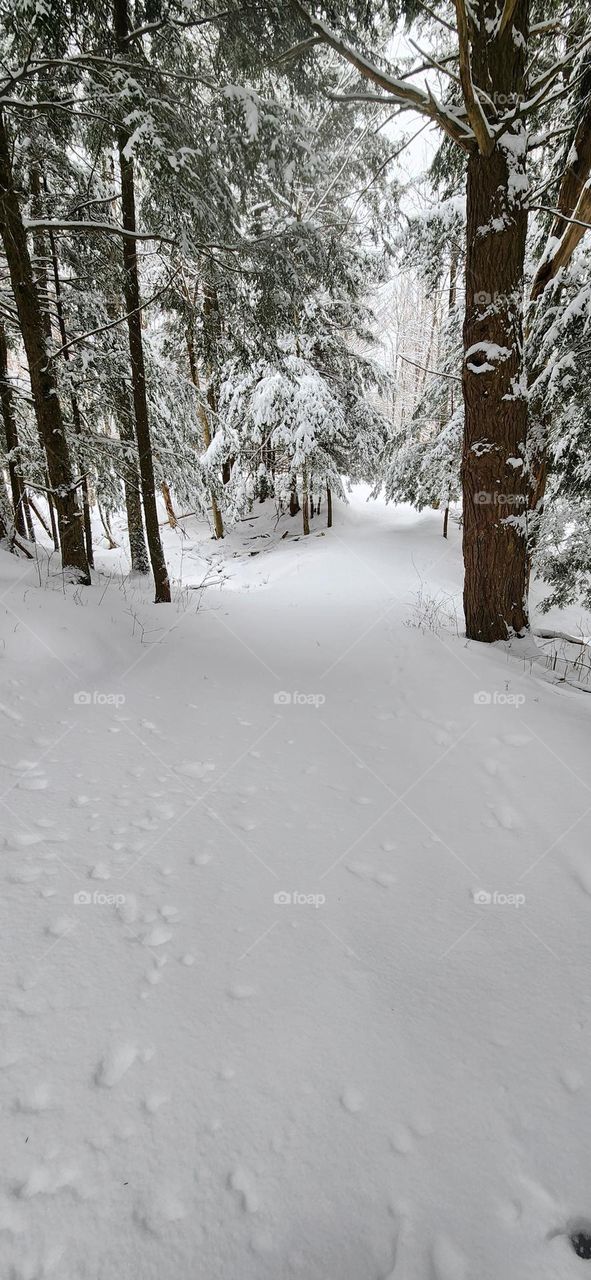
(328, 507)
(136, 347)
(10, 428)
(43, 382)
(495, 485)
(73, 400)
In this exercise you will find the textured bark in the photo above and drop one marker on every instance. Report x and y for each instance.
(493, 466)
(76, 419)
(138, 550)
(305, 504)
(10, 428)
(166, 494)
(294, 502)
(43, 382)
(136, 347)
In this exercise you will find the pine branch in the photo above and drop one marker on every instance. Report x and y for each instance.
(420, 99)
(110, 228)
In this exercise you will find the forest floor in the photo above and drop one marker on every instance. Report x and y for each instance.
(293, 986)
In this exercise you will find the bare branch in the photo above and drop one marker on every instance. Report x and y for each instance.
(436, 372)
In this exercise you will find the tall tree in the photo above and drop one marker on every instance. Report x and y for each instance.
(489, 96)
(136, 348)
(44, 388)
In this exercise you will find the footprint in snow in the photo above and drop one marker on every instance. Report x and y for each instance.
(571, 1079)
(516, 739)
(352, 1101)
(581, 872)
(194, 768)
(240, 992)
(36, 1099)
(401, 1140)
(100, 872)
(116, 1062)
(162, 1208)
(505, 816)
(243, 1184)
(61, 927)
(448, 1262)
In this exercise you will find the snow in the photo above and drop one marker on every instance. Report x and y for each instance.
(385, 1077)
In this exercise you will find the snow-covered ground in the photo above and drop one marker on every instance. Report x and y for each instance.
(381, 1077)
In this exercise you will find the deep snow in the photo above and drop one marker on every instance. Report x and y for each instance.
(381, 1078)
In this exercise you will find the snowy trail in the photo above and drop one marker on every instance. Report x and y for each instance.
(389, 1082)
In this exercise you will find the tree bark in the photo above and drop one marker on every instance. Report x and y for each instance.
(495, 485)
(328, 507)
(10, 428)
(294, 502)
(166, 494)
(218, 523)
(131, 486)
(73, 399)
(43, 382)
(136, 347)
(305, 503)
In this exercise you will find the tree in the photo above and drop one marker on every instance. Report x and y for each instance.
(64, 491)
(492, 52)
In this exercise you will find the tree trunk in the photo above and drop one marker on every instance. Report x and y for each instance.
(305, 503)
(136, 347)
(218, 523)
(43, 382)
(172, 520)
(131, 487)
(11, 432)
(73, 400)
(495, 486)
(294, 502)
(41, 519)
(328, 507)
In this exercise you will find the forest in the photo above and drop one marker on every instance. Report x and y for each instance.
(198, 212)
(295, 639)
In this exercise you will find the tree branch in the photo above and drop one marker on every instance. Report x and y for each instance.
(420, 99)
(476, 116)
